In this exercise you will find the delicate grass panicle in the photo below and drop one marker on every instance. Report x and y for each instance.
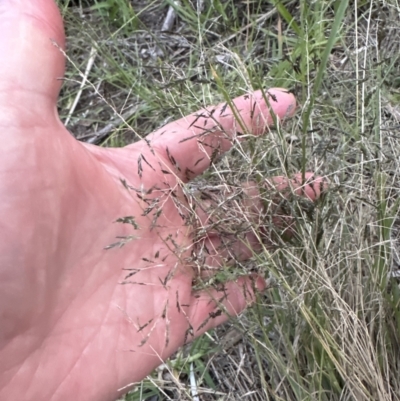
(328, 327)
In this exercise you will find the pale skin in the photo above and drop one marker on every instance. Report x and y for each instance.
(68, 328)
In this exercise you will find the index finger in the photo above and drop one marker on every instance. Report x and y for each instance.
(190, 145)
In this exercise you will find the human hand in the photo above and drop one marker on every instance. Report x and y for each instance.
(69, 328)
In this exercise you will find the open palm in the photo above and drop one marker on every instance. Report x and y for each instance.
(80, 321)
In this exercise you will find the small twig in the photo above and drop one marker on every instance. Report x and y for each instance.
(170, 18)
(193, 385)
(92, 57)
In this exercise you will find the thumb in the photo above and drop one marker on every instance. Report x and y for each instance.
(212, 307)
(31, 63)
